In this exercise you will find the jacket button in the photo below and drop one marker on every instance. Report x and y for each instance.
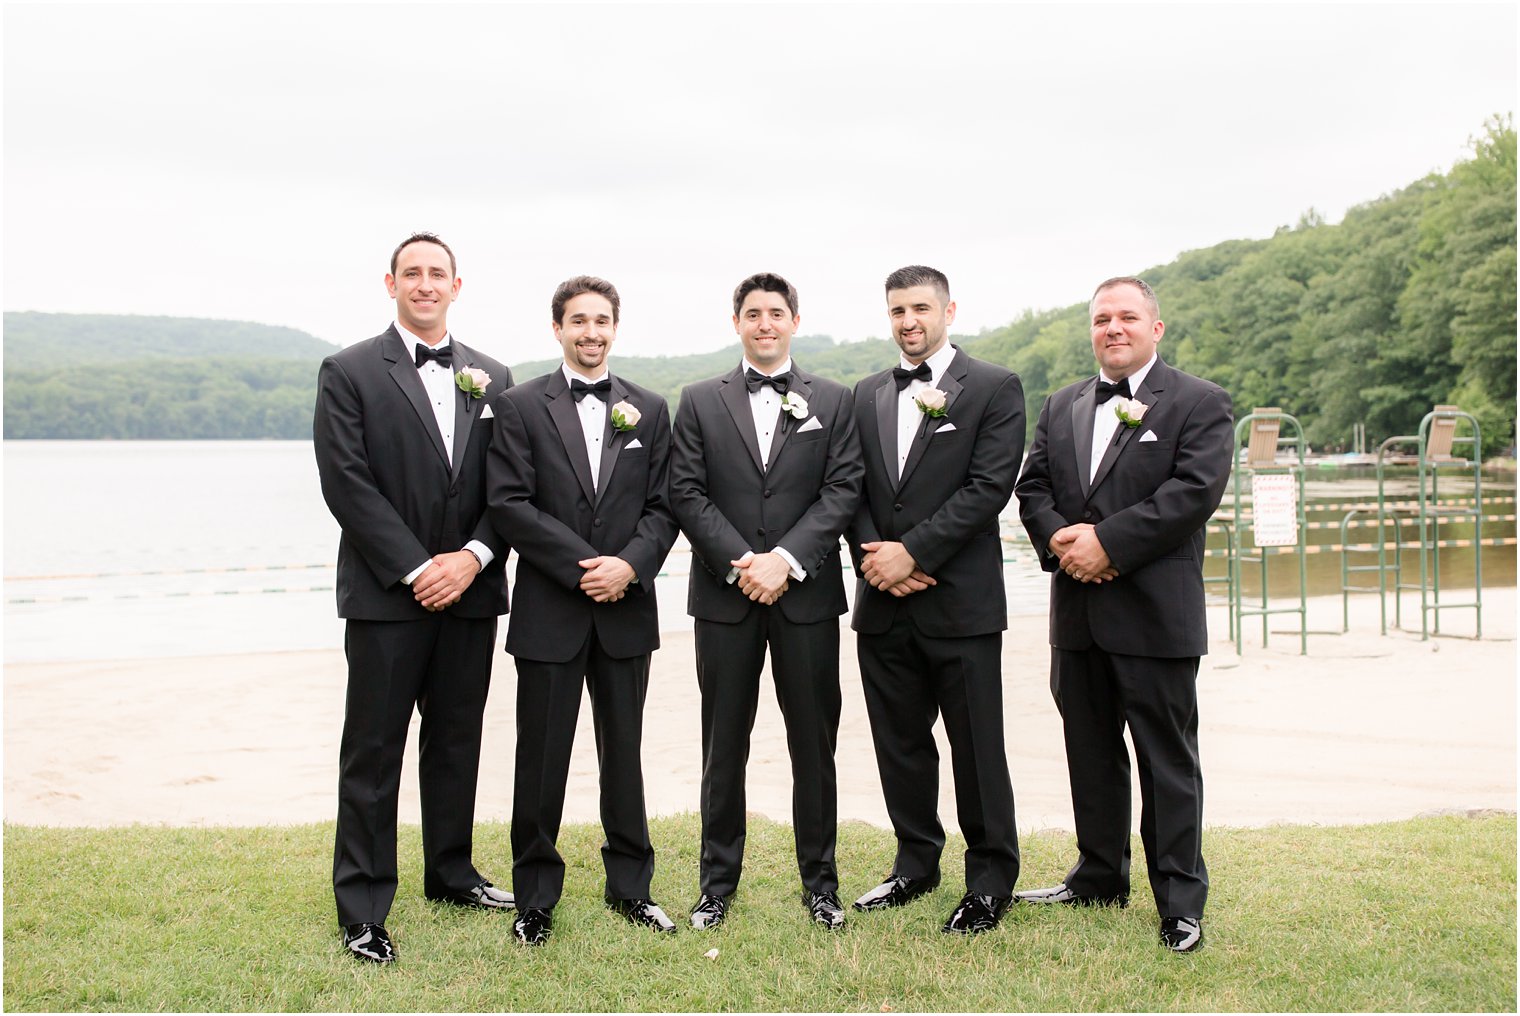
(766, 494)
(1086, 516)
(897, 507)
(453, 492)
(760, 532)
(596, 522)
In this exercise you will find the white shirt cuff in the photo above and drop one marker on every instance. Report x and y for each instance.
(733, 573)
(411, 576)
(481, 551)
(797, 573)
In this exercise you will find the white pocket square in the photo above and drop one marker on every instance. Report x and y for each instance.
(1149, 435)
(813, 424)
(486, 413)
(631, 445)
(945, 429)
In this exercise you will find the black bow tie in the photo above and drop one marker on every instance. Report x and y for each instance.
(903, 375)
(443, 354)
(779, 383)
(1107, 391)
(581, 389)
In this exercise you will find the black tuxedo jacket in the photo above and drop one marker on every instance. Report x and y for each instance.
(387, 480)
(1149, 501)
(944, 510)
(727, 504)
(542, 502)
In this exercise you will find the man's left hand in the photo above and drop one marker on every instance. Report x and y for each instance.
(1084, 558)
(606, 579)
(763, 577)
(887, 564)
(443, 584)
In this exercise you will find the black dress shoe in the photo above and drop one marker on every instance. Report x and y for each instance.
(532, 926)
(897, 890)
(1062, 894)
(484, 896)
(369, 942)
(644, 912)
(1182, 934)
(825, 909)
(976, 913)
(709, 912)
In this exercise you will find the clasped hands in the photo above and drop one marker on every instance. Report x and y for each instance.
(763, 577)
(888, 566)
(446, 578)
(1081, 554)
(607, 578)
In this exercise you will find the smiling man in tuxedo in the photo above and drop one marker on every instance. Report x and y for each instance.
(764, 476)
(1125, 471)
(578, 474)
(941, 434)
(401, 430)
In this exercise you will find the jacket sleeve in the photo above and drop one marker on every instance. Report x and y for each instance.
(368, 519)
(815, 534)
(1037, 500)
(714, 540)
(656, 529)
(485, 531)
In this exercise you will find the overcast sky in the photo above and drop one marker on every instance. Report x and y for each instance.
(261, 162)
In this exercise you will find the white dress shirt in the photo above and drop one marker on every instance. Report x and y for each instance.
(909, 417)
(1106, 422)
(438, 380)
(765, 408)
(593, 414)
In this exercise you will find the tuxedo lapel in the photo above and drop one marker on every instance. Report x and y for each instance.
(788, 423)
(886, 425)
(568, 422)
(465, 407)
(1083, 409)
(1150, 393)
(736, 397)
(404, 372)
(951, 385)
(612, 440)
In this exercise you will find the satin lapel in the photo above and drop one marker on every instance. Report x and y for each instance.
(612, 441)
(886, 425)
(404, 373)
(736, 397)
(568, 422)
(951, 385)
(1150, 393)
(1082, 410)
(466, 407)
(789, 423)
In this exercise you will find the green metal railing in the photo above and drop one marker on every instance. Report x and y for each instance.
(1277, 420)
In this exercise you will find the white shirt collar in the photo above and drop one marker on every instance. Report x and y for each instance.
(407, 336)
(744, 364)
(571, 375)
(938, 361)
(1135, 379)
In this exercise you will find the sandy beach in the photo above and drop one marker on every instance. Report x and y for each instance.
(1364, 728)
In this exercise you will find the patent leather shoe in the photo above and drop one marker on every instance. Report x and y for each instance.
(369, 942)
(897, 890)
(533, 925)
(1062, 894)
(484, 896)
(645, 912)
(709, 912)
(976, 913)
(824, 908)
(1182, 934)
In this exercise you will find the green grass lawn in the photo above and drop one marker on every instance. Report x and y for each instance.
(1416, 915)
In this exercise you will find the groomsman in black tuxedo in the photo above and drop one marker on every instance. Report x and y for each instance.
(941, 435)
(578, 473)
(764, 476)
(402, 424)
(1125, 471)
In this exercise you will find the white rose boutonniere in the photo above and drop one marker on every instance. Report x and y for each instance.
(1129, 411)
(930, 402)
(625, 416)
(472, 381)
(795, 404)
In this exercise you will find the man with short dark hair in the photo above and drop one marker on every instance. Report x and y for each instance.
(764, 476)
(1125, 471)
(401, 430)
(941, 435)
(578, 473)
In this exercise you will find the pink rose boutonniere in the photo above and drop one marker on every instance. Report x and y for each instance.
(625, 416)
(1129, 411)
(930, 402)
(472, 381)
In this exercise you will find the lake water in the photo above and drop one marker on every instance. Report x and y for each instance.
(132, 549)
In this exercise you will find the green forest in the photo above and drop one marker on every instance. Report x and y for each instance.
(1409, 301)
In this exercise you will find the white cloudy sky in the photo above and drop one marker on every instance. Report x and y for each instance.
(260, 162)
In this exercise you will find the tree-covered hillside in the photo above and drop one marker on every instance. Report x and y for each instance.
(36, 341)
